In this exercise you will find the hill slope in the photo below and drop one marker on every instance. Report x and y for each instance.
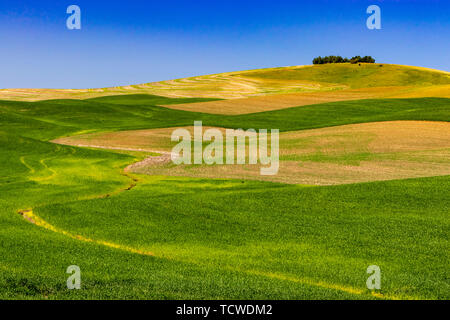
(260, 82)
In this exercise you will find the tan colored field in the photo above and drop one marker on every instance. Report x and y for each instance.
(282, 101)
(139, 140)
(442, 91)
(334, 155)
(225, 86)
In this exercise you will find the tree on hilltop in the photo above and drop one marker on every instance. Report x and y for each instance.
(339, 59)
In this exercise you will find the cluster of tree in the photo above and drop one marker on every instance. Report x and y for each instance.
(339, 59)
(366, 59)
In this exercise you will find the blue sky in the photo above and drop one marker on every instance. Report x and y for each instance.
(130, 42)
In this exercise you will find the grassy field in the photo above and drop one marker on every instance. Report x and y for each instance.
(361, 75)
(140, 236)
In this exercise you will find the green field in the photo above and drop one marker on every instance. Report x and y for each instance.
(138, 236)
(361, 75)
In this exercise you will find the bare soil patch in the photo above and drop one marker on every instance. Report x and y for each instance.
(327, 156)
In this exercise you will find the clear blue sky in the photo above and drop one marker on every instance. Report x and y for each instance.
(130, 42)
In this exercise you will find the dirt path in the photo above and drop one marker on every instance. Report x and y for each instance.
(110, 148)
(163, 158)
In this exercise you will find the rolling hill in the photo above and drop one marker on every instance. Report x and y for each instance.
(240, 84)
(364, 180)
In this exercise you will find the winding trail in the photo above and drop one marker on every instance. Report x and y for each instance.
(31, 217)
(22, 160)
(34, 219)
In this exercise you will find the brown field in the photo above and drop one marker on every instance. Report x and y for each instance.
(335, 155)
(149, 140)
(282, 101)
